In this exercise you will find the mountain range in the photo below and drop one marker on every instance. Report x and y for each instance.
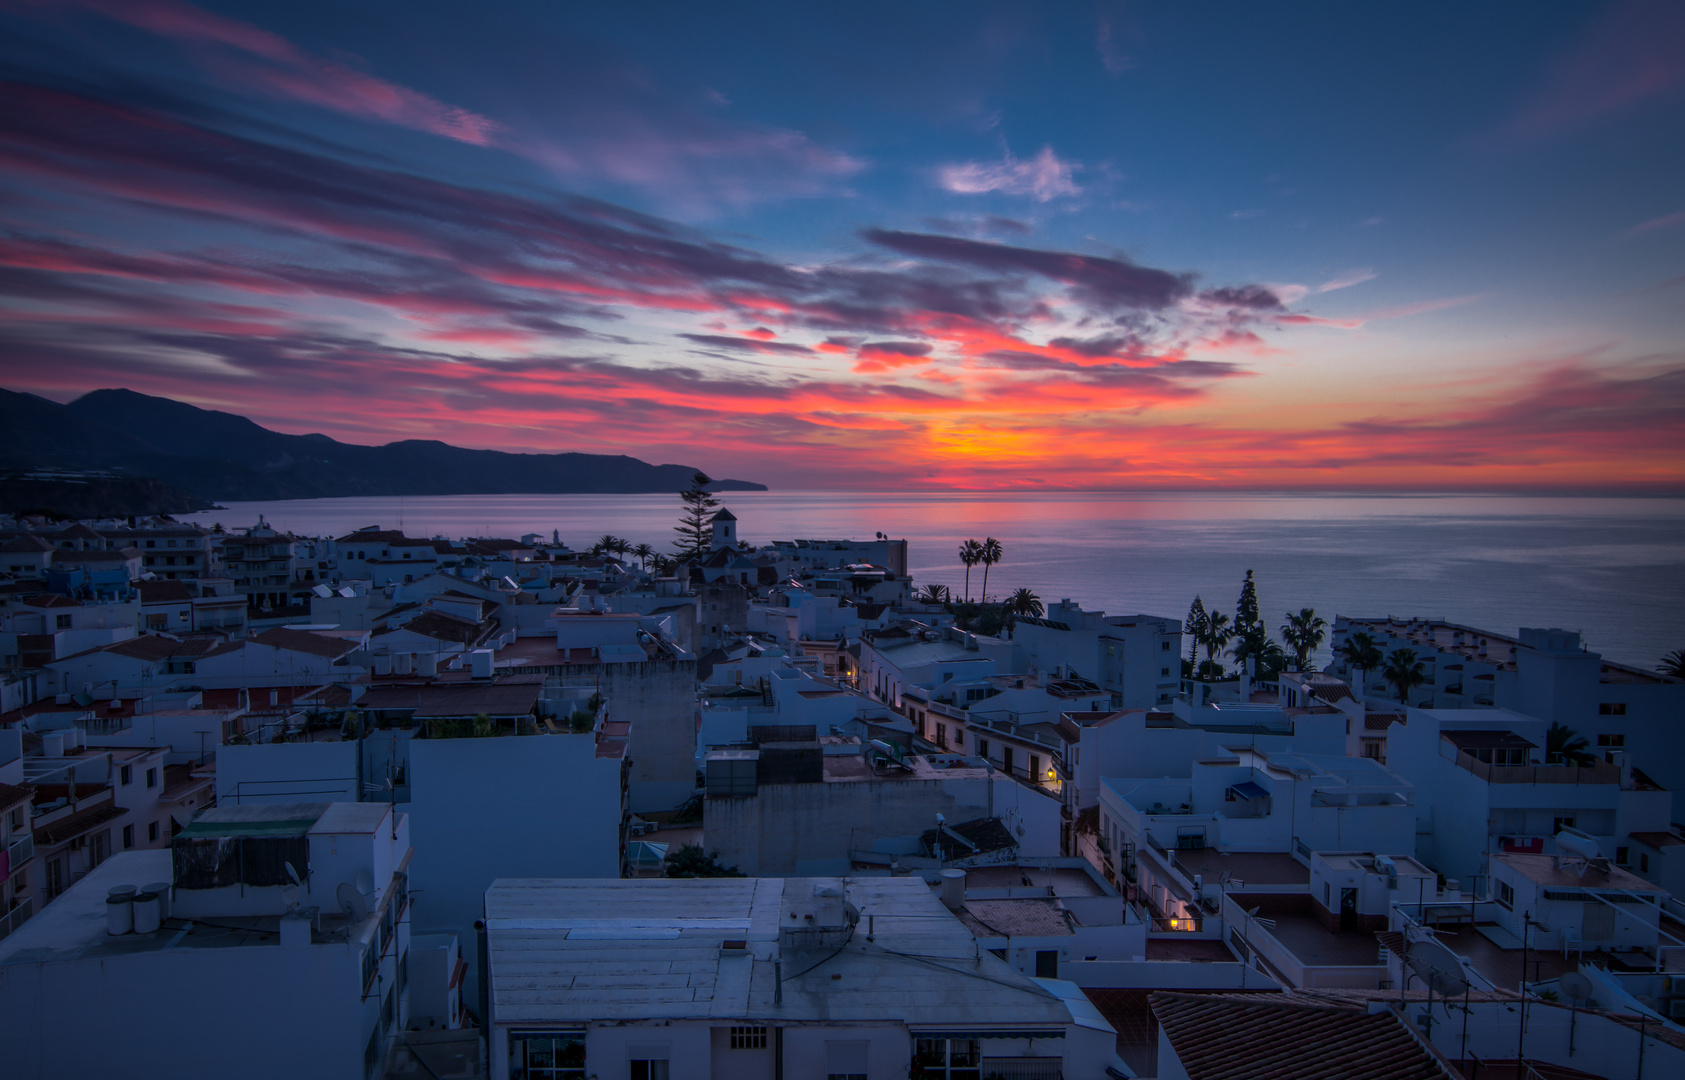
(216, 455)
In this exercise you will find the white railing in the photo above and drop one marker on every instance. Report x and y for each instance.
(20, 851)
(16, 917)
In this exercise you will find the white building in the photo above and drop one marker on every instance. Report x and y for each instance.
(762, 978)
(1135, 658)
(217, 964)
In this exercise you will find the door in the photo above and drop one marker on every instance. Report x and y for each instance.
(1597, 923)
(1348, 909)
(1047, 963)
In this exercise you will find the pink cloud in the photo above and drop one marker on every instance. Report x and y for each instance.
(283, 70)
(1635, 53)
(1664, 222)
(1043, 177)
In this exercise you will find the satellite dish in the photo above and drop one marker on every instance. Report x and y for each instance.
(1575, 987)
(1439, 967)
(352, 903)
(292, 873)
(365, 883)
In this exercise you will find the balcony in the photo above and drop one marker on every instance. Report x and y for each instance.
(16, 917)
(1600, 773)
(21, 851)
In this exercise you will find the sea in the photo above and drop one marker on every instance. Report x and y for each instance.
(1612, 568)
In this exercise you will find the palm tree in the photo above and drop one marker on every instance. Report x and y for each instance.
(933, 594)
(1673, 664)
(971, 553)
(643, 553)
(1025, 602)
(606, 544)
(991, 555)
(1404, 671)
(1218, 633)
(1362, 653)
(1304, 634)
(1565, 746)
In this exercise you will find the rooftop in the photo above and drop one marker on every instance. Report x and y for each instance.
(572, 950)
(1277, 1037)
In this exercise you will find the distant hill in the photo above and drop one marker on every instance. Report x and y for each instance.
(217, 455)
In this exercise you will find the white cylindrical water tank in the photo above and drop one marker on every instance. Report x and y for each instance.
(382, 664)
(146, 919)
(119, 913)
(161, 889)
(953, 889)
(402, 663)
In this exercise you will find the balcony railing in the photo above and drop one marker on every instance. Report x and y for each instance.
(1024, 1068)
(1600, 773)
(21, 851)
(16, 917)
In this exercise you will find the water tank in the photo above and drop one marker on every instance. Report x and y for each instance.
(427, 664)
(119, 912)
(479, 662)
(146, 918)
(1573, 844)
(953, 889)
(402, 663)
(162, 890)
(382, 664)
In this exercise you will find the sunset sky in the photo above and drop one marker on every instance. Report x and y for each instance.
(907, 245)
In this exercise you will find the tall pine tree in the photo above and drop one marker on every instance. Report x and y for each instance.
(1196, 626)
(696, 522)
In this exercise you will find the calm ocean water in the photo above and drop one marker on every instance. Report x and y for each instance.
(1612, 568)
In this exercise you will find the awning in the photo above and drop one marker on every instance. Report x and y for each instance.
(1246, 789)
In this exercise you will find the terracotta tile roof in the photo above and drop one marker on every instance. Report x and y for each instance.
(1254, 1037)
(77, 824)
(11, 795)
(26, 542)
(304, 641)
(163, 592)
(151, 648)
(445, 627)
(49, 600)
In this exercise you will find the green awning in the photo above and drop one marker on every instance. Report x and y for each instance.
(206, 830)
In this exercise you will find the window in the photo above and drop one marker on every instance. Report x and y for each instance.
(152, 778)
(1163, 671)
(941, 734)
(63, 622)
(1506, 894)
(1622, 856)
(126, 774)
(982, 747)
(152, 832)
(846, 1060)
(547, 1057)
(1558, 824)
(1047, 963)
(1643, 863)
(748, 1038)
(1612, 741)
(128, 836)
(157, 622)
(649, 1068)
(1612, 708)
(1164, 646)
(948, 1059)
(17, 819)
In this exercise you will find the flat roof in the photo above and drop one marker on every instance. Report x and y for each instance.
(1551, 871)
(564, 951)
(256, 819)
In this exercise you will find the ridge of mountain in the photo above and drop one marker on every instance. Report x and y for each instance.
(223, 456)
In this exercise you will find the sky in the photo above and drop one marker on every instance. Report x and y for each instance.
(872, 246)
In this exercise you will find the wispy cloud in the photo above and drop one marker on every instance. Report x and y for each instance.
(1635, 52)
(1043, 178)
(1666, 221)
(251, 58)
